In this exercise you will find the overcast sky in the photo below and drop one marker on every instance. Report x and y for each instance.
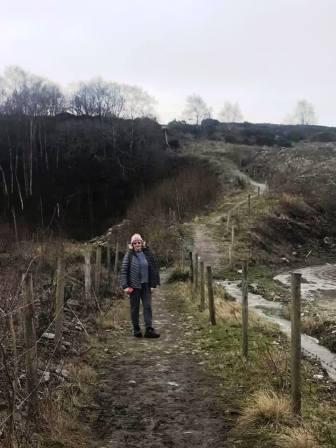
(265, 54)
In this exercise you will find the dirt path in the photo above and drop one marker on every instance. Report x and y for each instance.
(211, 251)
(154, 393)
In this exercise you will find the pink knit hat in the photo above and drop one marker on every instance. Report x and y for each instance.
(136, 237)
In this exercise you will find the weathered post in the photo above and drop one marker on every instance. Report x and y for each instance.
(230, 257)
(87, 274)
(232, 236)
(296, 343)
(182, 255)
(196, 277)
(59, 300)
(212, 311)
(258, 191)
(228, 222)
(244, 311)
(30, 343)
(14, 348)
(249, 205)
(116, 259)
(191, 267)
(98, 270)
(108, 259)
(202, 301)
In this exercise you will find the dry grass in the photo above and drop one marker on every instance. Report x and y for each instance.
(298, 438)
(227, 310)
(60, 427)
(276, 365)
(266, 408)
(114, 317)
(82, 373)
(311, 325)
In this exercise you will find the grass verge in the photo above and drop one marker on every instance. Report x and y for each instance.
(255, 393)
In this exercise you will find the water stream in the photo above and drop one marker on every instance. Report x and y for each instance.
(271, 311)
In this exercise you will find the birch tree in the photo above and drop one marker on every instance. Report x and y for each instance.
(231, 113)
(196, 109)
(303, 114)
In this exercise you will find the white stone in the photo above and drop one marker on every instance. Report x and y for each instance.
(48, 335)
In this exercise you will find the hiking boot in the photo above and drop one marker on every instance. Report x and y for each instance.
(151, 333)
(137, 333)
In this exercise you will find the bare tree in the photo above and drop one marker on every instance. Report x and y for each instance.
(96, 98)
(304, 113)
(231, 113)
(28, 94)
(196, 109)
(138, 103)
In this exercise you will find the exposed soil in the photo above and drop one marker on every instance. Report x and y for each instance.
(155, 393)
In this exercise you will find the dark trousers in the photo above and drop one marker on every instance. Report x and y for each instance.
(144, 294)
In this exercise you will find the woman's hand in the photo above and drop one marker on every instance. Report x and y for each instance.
(128, 290)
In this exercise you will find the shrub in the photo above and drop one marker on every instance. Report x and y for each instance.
(178, 275)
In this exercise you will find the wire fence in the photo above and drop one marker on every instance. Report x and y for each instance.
(34, 309)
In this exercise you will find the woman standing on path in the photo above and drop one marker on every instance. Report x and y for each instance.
(138, 275)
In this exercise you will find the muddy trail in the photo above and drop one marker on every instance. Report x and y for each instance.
(154, 392)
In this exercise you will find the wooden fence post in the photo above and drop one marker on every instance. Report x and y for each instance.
(249, 205)
(108, 260)
(212, 310)
(258, 191)
(30, 343)
(87, 274)
(116, 259)
(232, 236)
(196, 277)
(230, 257)
(14, 348)
(59, 300)
(202, 302)
(98, 270)
(296, 343)
(228, 222)
(191, 267)
(182, 255)
(244, 311)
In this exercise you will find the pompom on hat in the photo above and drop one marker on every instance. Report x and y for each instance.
(136, 237)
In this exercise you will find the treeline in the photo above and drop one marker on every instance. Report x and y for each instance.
(72, 159)
(263, 134)
(23, 93)
(76, 174)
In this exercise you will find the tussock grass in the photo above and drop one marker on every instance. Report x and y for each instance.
(266, 408)
(297, 438)
(228, 310)
(114, 317)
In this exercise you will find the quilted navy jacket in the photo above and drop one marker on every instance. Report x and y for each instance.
(130, 270)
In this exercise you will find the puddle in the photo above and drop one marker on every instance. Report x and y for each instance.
(270, 311)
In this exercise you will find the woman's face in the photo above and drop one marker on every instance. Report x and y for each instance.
(137, 245)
